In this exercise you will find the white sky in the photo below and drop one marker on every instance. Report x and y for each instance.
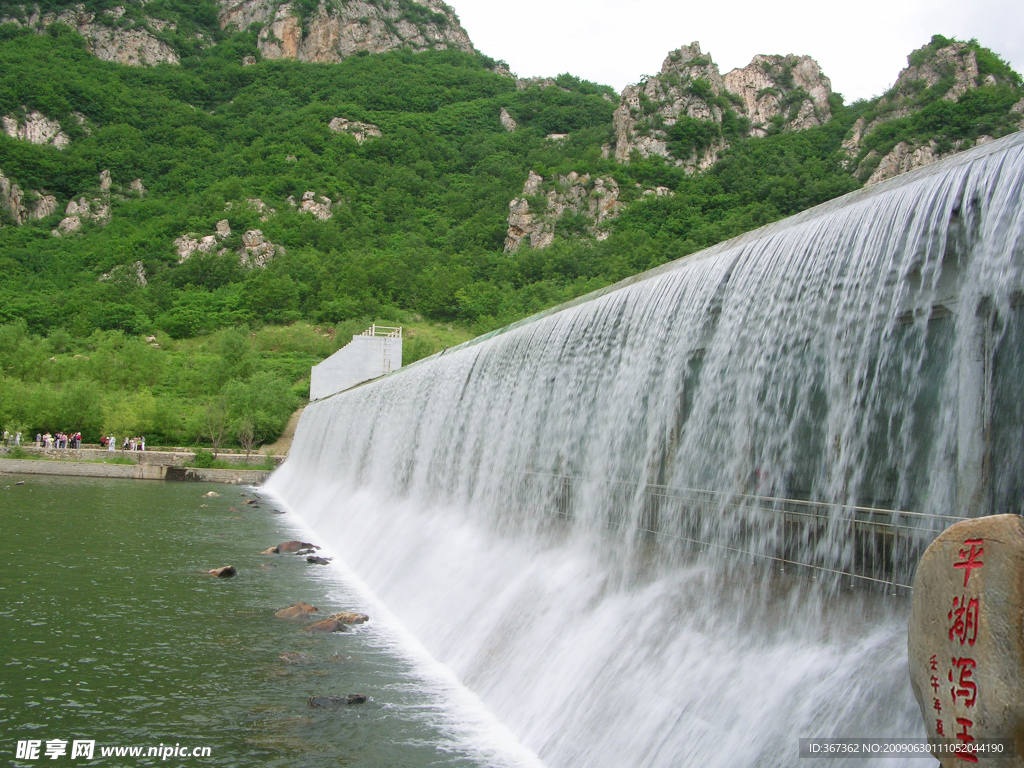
(860, 46)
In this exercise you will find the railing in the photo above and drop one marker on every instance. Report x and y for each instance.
(385, 331)
(881, 545)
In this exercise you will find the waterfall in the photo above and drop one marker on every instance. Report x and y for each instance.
(662, 525)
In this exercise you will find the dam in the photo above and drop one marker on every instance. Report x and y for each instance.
(674, 522)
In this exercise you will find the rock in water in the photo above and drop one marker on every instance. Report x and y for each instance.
(296, 610)
(327, 625)
(337, 701)
(288, 547)
(350, 618)
(966, 635)
(225, 572)
(318, 560)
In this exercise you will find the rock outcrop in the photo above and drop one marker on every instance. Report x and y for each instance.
(95, 209)
(954, 68)
(35, 128)
(256, 250)
(358, 131)
(24, 206)
(310, 203)
(133, 45)
(595, 200)
(338, 30)
(506, 120)
(261, 208)
(134, 274)
(688, 85)
(190, 243)
(789, 92)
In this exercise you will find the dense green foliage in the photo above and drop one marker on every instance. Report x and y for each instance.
(418, 224)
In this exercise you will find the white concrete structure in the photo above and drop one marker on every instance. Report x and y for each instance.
(374, 352)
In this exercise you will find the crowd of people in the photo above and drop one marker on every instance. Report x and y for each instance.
(130, 443)
(60, 440)
(63, 440)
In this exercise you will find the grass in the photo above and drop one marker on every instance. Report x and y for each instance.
(18, 452)
(204, 460)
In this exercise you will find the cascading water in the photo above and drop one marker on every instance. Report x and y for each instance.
(591, 516)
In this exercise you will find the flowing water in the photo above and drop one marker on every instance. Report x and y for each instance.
(112, 632)
(663, 525)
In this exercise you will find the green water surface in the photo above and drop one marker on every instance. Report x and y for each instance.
(111, 630)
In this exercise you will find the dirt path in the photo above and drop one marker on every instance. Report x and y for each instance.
(284, 442)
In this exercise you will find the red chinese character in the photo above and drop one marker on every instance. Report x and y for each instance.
(937, 706)
(964, 616)
(938, 728)
(935, 683)
(967, 689)
(966, 738)
(933, 662)
(971, 556)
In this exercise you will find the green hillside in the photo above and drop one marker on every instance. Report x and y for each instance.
(416, 232)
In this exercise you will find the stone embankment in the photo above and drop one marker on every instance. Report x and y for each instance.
(168, 458)
(150, 465)
(134, 471)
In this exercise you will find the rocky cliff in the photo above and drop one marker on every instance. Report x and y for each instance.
(943, 70)
(787, 91)
(136, 34)
(109, 35)
(772, 92)
(22, 206)
(342, 28)
(35, 128)
(575, 204)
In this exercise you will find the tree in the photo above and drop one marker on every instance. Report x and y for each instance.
(214, 423)
(245, 433)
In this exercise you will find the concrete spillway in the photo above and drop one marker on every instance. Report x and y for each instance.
(592, 517)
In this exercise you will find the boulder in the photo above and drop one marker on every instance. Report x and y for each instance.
(290, 547)
(271, 551)
(350, 618)
(966, 634)
(337, 701)
(225, 572)
(314, 560)
(296, 610)
(327, 625)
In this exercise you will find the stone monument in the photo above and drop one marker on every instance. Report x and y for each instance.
(966, 639)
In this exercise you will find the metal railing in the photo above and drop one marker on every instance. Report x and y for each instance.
(386, 331)
(878, 545)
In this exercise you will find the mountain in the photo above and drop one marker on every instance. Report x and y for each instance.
(139, 33)
(213, 175)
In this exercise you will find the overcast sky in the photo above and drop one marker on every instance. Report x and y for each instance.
(860, 46)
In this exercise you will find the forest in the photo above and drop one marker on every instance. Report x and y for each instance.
(415, 236)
